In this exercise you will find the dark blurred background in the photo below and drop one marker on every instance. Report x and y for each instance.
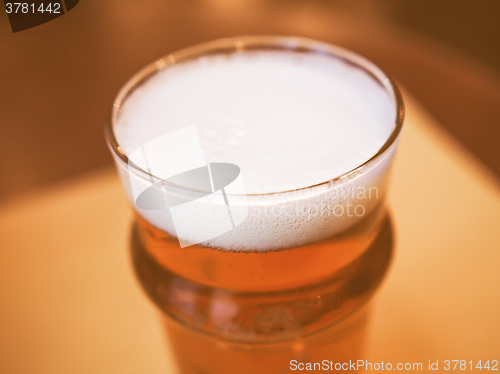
(58, 80)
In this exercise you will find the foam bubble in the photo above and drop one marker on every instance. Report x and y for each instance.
(288, 120)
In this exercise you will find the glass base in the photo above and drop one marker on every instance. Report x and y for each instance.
(222, 331)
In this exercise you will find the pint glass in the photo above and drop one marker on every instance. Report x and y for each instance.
(257, 168)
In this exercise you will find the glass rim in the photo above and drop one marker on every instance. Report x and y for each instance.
(253, 43)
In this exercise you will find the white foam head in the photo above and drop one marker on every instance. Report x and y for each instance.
(289, 120)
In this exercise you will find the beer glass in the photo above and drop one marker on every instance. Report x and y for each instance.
(257, 168)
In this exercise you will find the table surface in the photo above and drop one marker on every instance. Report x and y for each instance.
(70, 304)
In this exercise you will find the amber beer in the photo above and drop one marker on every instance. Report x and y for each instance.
(213, 328)
(312, 128)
